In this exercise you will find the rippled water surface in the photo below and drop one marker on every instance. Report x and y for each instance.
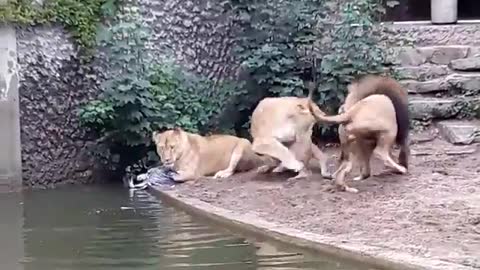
(106, 228)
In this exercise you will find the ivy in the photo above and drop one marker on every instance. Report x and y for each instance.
(80, 17)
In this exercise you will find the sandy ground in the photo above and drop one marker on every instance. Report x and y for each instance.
(434, 211)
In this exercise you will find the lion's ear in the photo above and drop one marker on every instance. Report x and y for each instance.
(154, 136)
(177, 129)
(351, 87)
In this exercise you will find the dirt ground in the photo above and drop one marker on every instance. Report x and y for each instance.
(434, 211)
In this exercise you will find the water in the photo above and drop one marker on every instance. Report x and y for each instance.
(104, 228)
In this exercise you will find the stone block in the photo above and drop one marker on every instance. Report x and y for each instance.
(426, 108)
(423, 72)
(443, 55)
(466, 64)
(474, 51)
(426, 52)
(428, 34)
(418, 87)
(411, 57)
(465, 82)
(460, 131)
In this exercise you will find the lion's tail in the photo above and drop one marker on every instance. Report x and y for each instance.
(320, 116)
(372, 85)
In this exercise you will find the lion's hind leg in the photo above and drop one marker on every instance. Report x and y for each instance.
(237, 154)
(384, 144)
(275, 149)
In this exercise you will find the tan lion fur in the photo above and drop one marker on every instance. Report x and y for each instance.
(194, 156)
(281, 127)
(375, 117)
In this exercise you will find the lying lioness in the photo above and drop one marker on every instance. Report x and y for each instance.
(281, 127)
(194, 156)
(375, 117)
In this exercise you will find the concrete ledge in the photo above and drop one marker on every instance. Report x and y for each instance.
(248, 223)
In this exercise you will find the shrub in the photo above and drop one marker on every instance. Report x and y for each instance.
(141, 95)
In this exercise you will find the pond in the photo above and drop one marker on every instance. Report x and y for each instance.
(107, 227)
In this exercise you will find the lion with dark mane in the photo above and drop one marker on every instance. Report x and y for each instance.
(373, 118)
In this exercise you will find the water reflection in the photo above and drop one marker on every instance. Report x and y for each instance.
(11, 224)
(104, 228)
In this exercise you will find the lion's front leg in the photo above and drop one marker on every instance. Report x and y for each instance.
(187, 172)
(184, 176)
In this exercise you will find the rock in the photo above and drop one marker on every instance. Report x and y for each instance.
(460, 131)
(444, 54)
(426, 108)
(474, 51)
(426, 34)
(466, 64)
(426, 52)
(410, 57)
(417, 87)
(465, 82)
(424, 72)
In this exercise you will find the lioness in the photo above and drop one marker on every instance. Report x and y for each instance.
(194, 156)
(281, 127)
(375, 117)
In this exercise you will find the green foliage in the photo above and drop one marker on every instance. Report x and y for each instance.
(141, 94)
(278, 40)
(128, 100)
(81, 17)
(190, 99)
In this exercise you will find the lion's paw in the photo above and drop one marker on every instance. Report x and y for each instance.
(223, 174)
(279, 169)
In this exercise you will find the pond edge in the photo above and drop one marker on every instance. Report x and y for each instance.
(377, 257)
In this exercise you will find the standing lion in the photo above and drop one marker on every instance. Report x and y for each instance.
(281, 127)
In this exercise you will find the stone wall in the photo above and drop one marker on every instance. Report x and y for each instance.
(53, 84)
(434, 35)
(198, 32)
(440, 67)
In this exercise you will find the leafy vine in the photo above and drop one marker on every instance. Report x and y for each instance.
(80, 17)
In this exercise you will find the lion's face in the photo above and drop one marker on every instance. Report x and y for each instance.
(170, 145)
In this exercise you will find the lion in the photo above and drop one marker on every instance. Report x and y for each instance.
(194, 156)
(281, 127)
(375, 116)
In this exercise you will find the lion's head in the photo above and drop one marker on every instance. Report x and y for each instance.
(170, 145)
